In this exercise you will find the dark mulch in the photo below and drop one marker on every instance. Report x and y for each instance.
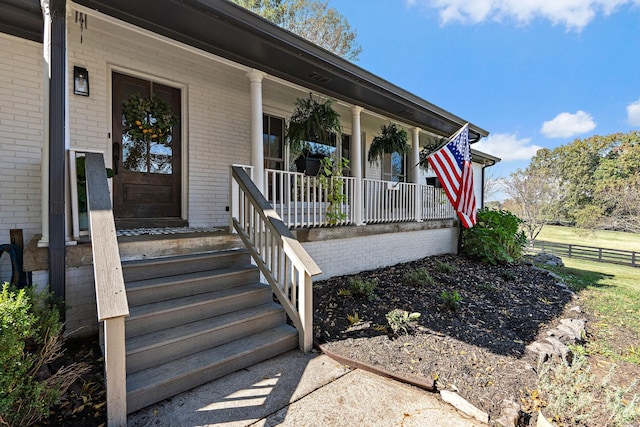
(476, 348)
(84, 403)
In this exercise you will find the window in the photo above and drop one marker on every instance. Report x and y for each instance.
(273, 138)
(433, 182)
(393, 167)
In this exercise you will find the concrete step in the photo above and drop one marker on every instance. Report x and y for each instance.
(176, 265)
(164, 288)
(163, 346)
(154, 384)
(160, 315)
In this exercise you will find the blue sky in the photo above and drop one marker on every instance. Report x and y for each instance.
(534, 73)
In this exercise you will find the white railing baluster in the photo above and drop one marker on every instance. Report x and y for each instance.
(267, 238)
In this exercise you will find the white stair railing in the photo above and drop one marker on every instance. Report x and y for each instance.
(283, 261)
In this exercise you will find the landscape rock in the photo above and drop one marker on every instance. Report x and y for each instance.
(566, 334)
(549, 259)
(544, 350)
(509, 415)
(576, 325)
(462, 405)
(560, 349)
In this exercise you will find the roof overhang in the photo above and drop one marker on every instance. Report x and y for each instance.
(484, 158)
(21, 18)
(231, 32)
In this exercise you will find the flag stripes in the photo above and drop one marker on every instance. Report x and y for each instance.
(452, 165)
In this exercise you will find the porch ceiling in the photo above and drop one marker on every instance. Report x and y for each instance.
(229, 31)
(21, 18)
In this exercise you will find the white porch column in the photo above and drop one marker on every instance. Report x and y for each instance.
(44, 163)
(415, 171)
(356, 165)
(257, 149)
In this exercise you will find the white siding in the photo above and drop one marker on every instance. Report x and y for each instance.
(477, 183)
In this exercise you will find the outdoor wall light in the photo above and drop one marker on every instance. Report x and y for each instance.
(80, 81)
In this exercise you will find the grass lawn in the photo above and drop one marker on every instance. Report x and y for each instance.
(613, 292)
(598, 238)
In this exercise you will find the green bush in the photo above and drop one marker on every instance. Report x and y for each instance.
(495, 238)
(401, 320)
(445, 267)
(418, 277)
(451, 299)
(30, 338)
(363, 288)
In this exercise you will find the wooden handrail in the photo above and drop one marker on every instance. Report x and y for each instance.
(283, 261)
(111, 297)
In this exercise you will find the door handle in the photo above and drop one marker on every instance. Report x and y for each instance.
(115, 155)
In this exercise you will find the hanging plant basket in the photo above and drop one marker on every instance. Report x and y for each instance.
(148, 119)
(391, 139)
(312, 121)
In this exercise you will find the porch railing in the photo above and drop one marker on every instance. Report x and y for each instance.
(283, 261)
(386, 201)
(302, 201)
(111, 297)
(435, 204)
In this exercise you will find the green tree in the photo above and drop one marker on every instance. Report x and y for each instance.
(592, 182)
(617, 184)
(313, 20)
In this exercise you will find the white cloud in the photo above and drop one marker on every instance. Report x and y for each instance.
(507, 146)
(633, 113)
(566, 125)
(573, 14)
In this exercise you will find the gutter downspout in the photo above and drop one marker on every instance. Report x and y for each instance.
(57, 113)
(484, 166)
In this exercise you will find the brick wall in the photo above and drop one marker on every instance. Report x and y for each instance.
(216, 117)
(349, 256)
(21, 134)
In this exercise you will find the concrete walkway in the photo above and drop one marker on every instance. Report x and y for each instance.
(297, 389)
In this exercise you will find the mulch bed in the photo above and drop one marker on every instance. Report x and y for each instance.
(475, 347)
(84, 403)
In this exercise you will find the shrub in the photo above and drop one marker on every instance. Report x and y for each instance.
(418, 277)
(451, 299)
(445, 267)
(363, 288)
(401, 320)
(30, 338)
(495, 238)
(573, 394)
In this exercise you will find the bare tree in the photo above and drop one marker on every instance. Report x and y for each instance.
(535, 196)
(492, 184)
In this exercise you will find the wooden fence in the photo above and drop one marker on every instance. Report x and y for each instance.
(591, 253)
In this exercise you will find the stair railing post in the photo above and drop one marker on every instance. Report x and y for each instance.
(115, 372)
(305, 309)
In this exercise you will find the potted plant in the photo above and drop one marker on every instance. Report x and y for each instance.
(310, 130)
(392, 139)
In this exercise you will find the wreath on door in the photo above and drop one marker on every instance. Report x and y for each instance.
(148, 119)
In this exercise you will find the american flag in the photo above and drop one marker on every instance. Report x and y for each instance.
(452, 164)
